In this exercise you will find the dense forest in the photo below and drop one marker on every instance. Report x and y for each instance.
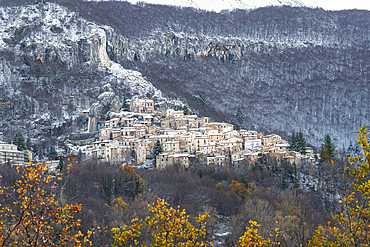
(283, 68)
(306, 67)
(296, 198)
(286, 68)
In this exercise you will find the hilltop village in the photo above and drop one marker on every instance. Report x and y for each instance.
(170, 137)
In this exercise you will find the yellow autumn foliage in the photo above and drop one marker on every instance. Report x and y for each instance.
(167, 226)
(36, 217)
(352, 224)
(251, 238)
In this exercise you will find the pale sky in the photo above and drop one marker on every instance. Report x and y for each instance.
(343, 4)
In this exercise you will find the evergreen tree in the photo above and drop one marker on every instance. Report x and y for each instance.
(57, 79)
(80, 154)
(19, 102)
(200, 97)
(125, 105)
(28, 143)
(328, 149)
(243, 180)
(4, 98)
(61, 164)
(71, 80)
(32, 106)
(297, 143)
(185, 109)
(157, 148)
(52, 153)
(16, 139)
(50, 88)
(22, 109)
(239, 118)
(293, 143)
(81, 69)
(49, 72)
(37, 71)
(26, 102)
(19, 141)
(301, 143)
(22, 145)
(44, 85)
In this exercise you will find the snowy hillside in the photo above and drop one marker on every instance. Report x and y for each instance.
(73, 66)
(281, 65)
(54, 34)
(219, 5)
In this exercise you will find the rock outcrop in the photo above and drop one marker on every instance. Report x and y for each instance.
(288, 68)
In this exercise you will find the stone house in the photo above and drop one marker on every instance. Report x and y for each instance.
(10, 152)
(147, 120)
(153, 130)
(165, 160)
(128, 131)
(171, 146)
(204, 120)
(126, 122)
(113, 123)
(208, 148)
(252, 143)
(251, 135)
(222, 127)
(160, 138)
(141, 154)
(105, 134)
(200, 140)
(271, 140)
(116, 154)
(291, 159)
(252, 157)
(216, 137)
(85, 112)
(216, 160)
(116, 134)
(142, 105)
(283, 147)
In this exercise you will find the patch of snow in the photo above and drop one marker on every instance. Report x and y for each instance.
(223, 234)
(148, 164)
(219, 5)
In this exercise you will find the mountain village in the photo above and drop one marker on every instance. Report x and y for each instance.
(169, 137)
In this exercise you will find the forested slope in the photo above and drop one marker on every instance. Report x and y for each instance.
(288, 68)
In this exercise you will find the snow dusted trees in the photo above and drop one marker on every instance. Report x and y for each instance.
(157, 148)
(328, 149)
(37, 71)
(185, 109)
(297, 143)
(350, 226)
(19, 141)
(239, 116)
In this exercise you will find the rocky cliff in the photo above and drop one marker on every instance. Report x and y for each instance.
(73, 71)
(287, 68)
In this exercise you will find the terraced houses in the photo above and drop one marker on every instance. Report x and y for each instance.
(131, 136)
